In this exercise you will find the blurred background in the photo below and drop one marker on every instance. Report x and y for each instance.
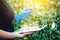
(46, 12)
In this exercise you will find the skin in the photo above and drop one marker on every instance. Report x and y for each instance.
(10, 35)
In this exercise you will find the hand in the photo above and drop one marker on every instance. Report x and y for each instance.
(23, 34)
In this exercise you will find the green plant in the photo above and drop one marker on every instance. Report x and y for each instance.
(45, 16)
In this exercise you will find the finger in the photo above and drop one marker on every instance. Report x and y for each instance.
(19, 35)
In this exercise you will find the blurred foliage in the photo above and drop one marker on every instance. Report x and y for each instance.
(45, 12)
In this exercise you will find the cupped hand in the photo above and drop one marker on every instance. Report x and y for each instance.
(22, 35)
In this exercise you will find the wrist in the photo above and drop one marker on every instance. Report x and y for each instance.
(18, 35)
